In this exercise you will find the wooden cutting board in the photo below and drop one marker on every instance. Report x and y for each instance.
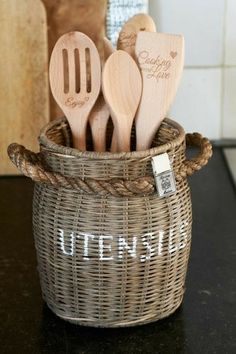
(23, 76)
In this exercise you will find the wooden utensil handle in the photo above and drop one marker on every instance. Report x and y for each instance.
(114, 142)
(79, 128)
(123, 134)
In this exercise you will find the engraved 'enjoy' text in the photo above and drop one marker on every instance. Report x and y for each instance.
(73, 103)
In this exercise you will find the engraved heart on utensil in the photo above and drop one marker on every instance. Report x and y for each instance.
(173, 54)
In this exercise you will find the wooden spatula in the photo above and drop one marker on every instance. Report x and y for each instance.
(75, 78)
(100, 114)
(128, 34)
(122, 88)
(160, 58)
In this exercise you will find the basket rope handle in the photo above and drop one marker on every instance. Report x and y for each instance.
(196, 163)
(32, 165)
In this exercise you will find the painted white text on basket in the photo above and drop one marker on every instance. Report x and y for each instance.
(118, 247)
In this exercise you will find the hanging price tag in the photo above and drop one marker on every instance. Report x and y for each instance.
(164, 175)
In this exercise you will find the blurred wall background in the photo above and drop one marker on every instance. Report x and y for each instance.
(206, 99)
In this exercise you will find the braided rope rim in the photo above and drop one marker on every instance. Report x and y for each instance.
(48, 144)
(32, 165)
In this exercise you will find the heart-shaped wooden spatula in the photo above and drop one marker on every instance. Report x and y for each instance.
(160, 57)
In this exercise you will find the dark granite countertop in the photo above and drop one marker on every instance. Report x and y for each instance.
(206, 321)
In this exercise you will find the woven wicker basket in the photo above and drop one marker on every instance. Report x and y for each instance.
(110, 251)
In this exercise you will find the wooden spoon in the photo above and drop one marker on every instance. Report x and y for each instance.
(100, 114)
(128, 34)
(161, 58)
(127, 41)
(75, 78)
(122, 88)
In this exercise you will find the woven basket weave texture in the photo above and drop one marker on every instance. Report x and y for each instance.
(111, 261)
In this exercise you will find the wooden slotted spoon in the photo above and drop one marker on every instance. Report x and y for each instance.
(122, 88)
(160, 57)
(75, 79)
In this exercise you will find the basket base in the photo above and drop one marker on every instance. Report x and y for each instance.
(116, 324)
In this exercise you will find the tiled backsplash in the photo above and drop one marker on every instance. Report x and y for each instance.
(206, 100)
